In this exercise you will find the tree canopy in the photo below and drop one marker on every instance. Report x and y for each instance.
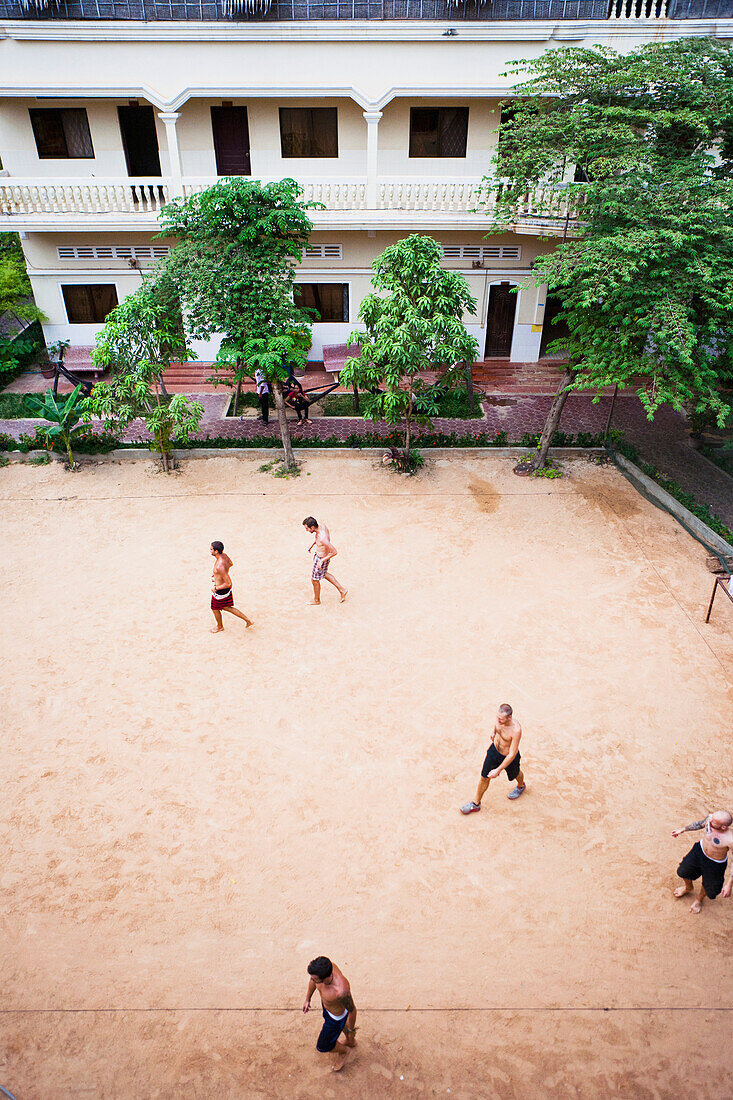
(641, 145)
(234, 270)
(413, 324)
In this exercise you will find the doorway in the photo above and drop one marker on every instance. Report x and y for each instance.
(139, 140)
(551, 329)
(231, 141)
(500, 321)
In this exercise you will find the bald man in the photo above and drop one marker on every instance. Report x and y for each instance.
(707, 859)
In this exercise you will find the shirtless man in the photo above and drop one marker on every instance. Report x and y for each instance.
(325, 550)
(502, 756)
(339, 1010)
(221, 592)
(707, 858)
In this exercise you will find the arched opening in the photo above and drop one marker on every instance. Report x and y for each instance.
(500, 321)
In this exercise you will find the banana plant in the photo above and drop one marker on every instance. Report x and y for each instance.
(64, 415)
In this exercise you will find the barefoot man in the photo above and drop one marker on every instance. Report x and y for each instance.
(502, 756)
(707, 858)
(221, 592)
(325, 550)
(339, 1010)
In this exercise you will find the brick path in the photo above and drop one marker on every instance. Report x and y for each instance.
(663, 442)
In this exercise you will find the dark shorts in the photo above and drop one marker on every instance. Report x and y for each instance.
(330, 1032)
(221, 598)
(697, 865)
(494, 759)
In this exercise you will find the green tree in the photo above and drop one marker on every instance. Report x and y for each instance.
(414, 323)
(234, 269)
(144, 332)
(64, 414)
(16, 299)
(139, 340)
(640, 148)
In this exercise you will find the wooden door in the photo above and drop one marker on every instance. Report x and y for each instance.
(139, 140)
(500, 321)
(231, 141)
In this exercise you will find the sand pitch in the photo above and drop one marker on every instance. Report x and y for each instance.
(187, 819)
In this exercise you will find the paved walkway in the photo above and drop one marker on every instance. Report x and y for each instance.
(663, 442)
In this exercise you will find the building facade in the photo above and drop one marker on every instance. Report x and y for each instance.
(387, 113)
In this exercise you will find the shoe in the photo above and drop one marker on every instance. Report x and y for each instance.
(471, 808)
(517, 792)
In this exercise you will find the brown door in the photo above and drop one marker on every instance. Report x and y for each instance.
(231, 140)
(139, 140)
(500, 321)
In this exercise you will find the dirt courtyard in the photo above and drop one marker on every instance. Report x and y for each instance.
(188, 818)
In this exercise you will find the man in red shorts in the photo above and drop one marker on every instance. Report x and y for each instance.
(221, 592)
(502, 756)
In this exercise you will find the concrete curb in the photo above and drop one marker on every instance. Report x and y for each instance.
(130, 454)
(673, 505)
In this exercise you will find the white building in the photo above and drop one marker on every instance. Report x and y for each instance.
(387, 112)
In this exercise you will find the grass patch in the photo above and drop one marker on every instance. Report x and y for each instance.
(452, 404)
(246, 401)
(13, 407)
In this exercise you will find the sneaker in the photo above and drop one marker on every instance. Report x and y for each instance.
(517, 792)
(471, 808)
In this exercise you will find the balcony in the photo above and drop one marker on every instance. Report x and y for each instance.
(61, 205)
(376, 10)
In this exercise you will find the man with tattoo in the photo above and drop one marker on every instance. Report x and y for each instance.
(502, 756)
(339, 1010)
(325, 550)
(707, 858)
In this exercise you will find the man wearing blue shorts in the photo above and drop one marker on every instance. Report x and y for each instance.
(339, 1010)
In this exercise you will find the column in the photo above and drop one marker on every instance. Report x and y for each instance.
(169, 120)
(372, 120)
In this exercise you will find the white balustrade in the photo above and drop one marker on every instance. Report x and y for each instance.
(638, 9)
(82, 196)
(67, 197)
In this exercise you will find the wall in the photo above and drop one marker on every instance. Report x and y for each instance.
(394, 140)
(18, 146)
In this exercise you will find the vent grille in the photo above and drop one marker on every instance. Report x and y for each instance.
(112, 252)
(324, 252)
(481, 252)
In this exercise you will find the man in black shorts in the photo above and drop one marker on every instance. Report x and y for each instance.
(339, 1010)
(707, 859)
(503, 756)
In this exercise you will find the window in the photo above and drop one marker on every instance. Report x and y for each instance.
(88, 305)
(309, 131)
(329, 300)
(438, 131)
(61, 133)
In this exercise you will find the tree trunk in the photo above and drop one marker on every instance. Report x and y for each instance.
(161, 383)
(553, 418)
(283, 424)
(469, 388)
(67, 441)
(237, 394)
(356, 398)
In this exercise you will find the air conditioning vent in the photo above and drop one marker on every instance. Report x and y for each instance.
(112, 252)
(481, 252)
(324, 252)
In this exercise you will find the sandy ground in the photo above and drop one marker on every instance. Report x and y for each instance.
(187, 819)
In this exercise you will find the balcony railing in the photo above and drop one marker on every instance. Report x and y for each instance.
(59, 200)
(245, 11)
